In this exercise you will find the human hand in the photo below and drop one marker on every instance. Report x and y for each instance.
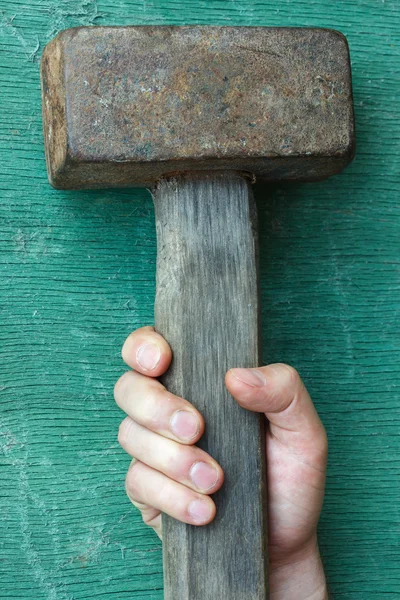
(170, 474)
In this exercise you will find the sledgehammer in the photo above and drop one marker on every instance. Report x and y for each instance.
(197, 114)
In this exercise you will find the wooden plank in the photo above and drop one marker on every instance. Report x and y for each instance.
(78, 274)
(207, 307)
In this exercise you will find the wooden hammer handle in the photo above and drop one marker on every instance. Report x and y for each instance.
(207, 308)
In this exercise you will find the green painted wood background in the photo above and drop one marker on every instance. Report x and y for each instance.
(77, 275)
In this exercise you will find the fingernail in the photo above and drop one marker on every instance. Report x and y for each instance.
(252, 377)
(184, 424)
(148, 356)
(199, 510)
(204, 476)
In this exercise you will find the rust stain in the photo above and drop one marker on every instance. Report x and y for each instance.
(125, 105)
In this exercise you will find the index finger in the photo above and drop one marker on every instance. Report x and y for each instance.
(147, 352)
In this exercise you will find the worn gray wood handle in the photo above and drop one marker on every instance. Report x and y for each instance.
(207, 307)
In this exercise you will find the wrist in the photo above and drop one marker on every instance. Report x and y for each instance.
(299, 575)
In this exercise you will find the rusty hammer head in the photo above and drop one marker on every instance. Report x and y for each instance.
(124, 106)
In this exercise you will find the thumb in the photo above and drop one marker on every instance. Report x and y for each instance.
(278, 392)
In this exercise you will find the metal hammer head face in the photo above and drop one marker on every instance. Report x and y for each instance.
(124, 106)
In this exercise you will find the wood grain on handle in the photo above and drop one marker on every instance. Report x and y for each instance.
(207, 307)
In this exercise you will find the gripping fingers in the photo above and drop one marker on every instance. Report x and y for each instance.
(188, 465)
(152, 491)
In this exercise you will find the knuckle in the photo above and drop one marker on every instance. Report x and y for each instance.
(167, 492)
(151, 421)
(149, 516)
(133, 481)
(151, 413)
(120, 385)
(291, 376)
(124, 431)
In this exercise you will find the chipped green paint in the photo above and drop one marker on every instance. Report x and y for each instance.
(78, 274)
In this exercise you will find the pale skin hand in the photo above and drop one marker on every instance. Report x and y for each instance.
(170, 474)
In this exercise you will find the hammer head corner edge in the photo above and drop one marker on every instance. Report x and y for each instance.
(123, 106)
